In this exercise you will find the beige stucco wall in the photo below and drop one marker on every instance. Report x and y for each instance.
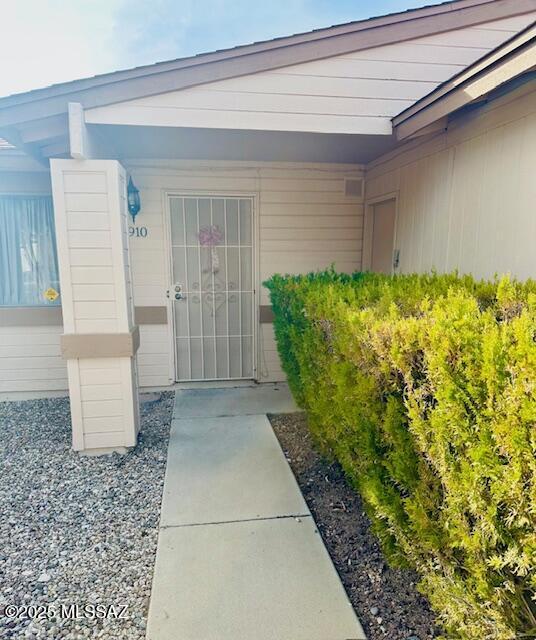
(466, 197)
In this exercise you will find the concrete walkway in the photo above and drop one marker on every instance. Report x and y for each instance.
(239, 556)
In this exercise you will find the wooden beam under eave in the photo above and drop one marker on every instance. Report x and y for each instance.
(58, 149)
(134, 115)
(30, 149)
(434, 127)
(43, 130)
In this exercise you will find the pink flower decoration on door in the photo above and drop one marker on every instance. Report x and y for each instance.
(211, 236)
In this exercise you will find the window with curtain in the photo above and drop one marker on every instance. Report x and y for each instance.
(28, 260)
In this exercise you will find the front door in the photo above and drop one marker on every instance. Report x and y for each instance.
(212, 287)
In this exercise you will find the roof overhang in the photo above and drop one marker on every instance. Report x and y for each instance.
(511, 60)
(189, 143)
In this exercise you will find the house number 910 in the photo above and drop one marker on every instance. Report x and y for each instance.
(137, 232)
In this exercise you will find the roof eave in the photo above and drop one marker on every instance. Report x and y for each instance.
(511, 59)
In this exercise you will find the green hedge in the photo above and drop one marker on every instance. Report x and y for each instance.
(423, 387)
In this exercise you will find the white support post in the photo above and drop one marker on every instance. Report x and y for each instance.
(100, 339)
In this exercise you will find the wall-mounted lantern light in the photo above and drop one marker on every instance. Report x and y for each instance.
(133, 199)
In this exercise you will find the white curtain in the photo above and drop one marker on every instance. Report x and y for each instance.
(28, 261)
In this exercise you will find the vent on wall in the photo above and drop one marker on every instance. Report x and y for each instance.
(353, 187)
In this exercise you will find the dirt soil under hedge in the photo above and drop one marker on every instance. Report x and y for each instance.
(386, 600)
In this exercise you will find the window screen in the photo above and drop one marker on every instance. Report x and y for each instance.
(28, 260)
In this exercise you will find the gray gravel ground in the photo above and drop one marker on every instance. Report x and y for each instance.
(77, 530)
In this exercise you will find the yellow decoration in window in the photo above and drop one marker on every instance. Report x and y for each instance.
(51, 294)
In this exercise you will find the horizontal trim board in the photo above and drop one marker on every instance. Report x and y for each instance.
(150, 315)
(52, 316)
(30, 316)
(241, 120)
(266, 314)
(100, 345)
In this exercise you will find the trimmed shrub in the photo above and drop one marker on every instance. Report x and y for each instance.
(423, 387)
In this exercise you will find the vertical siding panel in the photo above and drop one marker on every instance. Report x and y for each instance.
(526, 197)
(478, 214)
(435, 186)
(489, 213)
(512, 211)
(443, 186)
(456, 211)
(468, 196)
(426, 218)
(498, 218)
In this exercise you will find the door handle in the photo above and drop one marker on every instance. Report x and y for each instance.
(177, 292)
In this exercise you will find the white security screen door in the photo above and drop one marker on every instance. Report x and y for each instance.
(212, 291)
